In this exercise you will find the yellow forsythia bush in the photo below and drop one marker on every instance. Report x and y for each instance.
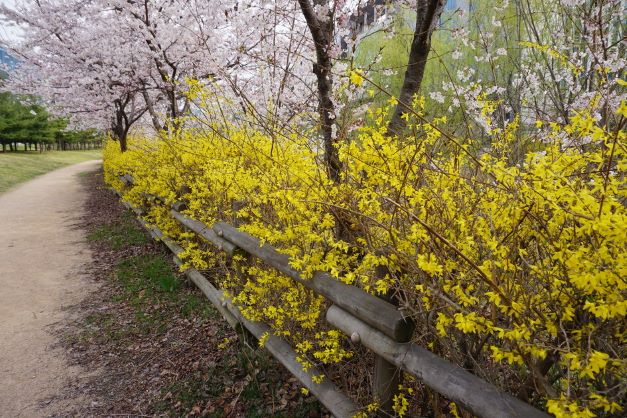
(515, 270)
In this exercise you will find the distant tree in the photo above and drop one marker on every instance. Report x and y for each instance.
(26, 121)
(23, 122)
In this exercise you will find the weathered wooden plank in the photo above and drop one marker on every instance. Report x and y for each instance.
(155, 232)
(380, 314)
(326, 392)
(385, 382)
(205, 232)
(152, 197)
(127, 179)
(194, 275)
(150, 230)
(213, 294)
(179, 206)
(138, 212)
(173, 246)
(448, 379)
(386, 377)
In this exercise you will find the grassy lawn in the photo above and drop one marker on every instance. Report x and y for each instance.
(17, 167)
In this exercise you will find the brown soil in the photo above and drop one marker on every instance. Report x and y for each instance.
(77, 341)
(42, 262)
(174, 363)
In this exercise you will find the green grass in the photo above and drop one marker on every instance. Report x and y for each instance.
(233, 376)
(148, 273)
(120, 234)
(18, 167)
(148, 279)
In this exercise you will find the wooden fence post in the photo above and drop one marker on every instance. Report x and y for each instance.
(374, 322)
(387, 377)
(248, 338)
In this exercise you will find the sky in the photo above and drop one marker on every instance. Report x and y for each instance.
(9, 33)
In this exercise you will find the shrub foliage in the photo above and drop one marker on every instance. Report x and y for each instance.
(513, 268)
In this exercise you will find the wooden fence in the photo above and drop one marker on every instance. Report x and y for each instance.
(376, 324)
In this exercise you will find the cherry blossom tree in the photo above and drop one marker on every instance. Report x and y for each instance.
(114, 63)
(81, 66)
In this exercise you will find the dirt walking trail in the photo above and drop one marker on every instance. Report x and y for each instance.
(42, 259)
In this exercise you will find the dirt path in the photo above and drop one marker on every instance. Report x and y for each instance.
(42, 255)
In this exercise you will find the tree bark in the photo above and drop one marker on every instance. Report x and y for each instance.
(428, 14)
(151, 110)
(125, 118)
(118, 127)
(322, 34)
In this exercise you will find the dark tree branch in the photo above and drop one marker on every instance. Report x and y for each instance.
(322, 34)
(428, 14)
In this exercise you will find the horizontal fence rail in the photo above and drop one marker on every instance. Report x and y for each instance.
(382, 315)
(377, 324)
(446, 378)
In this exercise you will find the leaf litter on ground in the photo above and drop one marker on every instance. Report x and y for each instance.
(151, 342)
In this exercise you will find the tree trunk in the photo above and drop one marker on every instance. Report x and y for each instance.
(122, 122)
(427, 17)
(151, 110)
(322, 34)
